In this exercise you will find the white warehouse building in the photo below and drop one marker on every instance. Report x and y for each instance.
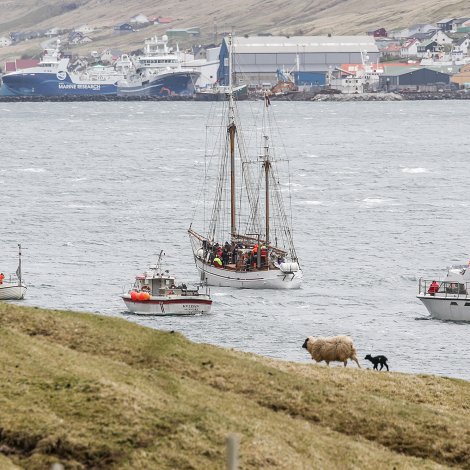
(257, 58)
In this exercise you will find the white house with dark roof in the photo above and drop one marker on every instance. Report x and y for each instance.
(5, 41)
(409, 48)
(84, 29)
(411, 30)
(440, 37)
(462, 45)
(140, 19)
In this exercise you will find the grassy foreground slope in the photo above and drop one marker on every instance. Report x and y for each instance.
(97, 392)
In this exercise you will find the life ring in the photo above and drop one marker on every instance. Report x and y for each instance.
(145, 289)
(170, 292)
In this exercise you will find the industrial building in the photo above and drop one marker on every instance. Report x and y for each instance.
(412, 78)
(257, 58)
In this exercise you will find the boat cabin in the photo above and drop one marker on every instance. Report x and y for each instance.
(160, 283)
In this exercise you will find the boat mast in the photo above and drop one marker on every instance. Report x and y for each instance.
(267, 167)
(18, 271)
(231, 129)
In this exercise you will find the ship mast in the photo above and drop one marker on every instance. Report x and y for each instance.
(231, 129)
(267, 167)
(18, 271)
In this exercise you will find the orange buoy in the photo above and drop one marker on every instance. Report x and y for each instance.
(141, 296)
(133, 295)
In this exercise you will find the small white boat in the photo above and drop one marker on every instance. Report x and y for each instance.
(155, 293)
(13, 289)
(449, 298)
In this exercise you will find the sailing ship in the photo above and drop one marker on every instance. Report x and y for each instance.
(248, 242)
(13, 289)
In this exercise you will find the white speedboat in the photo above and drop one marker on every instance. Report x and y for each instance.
(248, 211)
(449, 298)
(156, 293)
(13, 289)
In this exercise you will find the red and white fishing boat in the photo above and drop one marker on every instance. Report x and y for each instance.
(156, 293)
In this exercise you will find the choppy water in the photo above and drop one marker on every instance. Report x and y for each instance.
(380, 197)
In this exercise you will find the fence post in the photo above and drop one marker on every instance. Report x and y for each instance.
(232, 452)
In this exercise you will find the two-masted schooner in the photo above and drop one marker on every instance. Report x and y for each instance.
(248, 239)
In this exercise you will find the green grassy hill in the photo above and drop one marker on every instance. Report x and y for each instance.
(95, 392)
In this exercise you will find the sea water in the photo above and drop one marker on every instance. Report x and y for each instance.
(380, 196)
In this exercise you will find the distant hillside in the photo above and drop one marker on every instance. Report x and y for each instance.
(245, 17)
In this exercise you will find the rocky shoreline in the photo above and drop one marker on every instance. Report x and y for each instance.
(296, 96)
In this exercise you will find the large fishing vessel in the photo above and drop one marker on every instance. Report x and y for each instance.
(53, 77)
(248, 242)
(159, 72)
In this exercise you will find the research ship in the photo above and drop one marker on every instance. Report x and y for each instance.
(54, 77)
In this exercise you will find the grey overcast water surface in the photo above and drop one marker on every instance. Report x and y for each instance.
(380, 197)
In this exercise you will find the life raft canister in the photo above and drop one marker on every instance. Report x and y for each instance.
(289, 268)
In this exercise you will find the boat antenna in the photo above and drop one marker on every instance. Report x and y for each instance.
(18, 271)
(231, 129)
(159, 263)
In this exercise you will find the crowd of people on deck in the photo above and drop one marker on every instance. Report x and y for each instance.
(236, 254)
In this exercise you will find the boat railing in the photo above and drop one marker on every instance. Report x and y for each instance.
(451, 289)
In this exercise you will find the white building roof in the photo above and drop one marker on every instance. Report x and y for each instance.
(303, 44)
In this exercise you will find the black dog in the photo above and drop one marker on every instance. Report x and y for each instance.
(376, 360)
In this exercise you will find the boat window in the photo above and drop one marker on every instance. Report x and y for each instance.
(453, 303)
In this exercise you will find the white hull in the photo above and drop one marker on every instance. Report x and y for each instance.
(12, 291)
(269, 279)
(450, 308)
(169, 306)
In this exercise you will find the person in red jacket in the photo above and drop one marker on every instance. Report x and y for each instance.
(2, 277)
(433, 288)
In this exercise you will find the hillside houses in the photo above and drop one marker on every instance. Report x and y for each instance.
(411, 30)
(443, 41)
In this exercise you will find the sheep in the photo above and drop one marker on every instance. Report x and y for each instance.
(376, 360)
(336, 348)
